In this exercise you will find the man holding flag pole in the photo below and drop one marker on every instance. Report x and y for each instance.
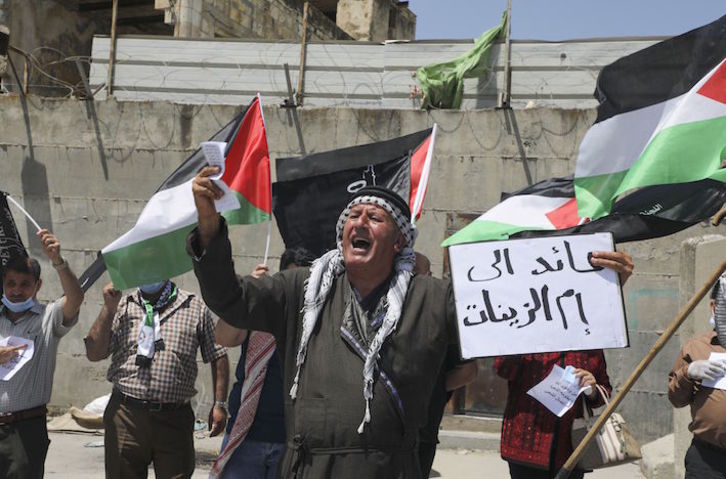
(33, 330)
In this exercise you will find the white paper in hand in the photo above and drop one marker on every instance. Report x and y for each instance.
(719, 383)
(558, 391)
(214, 153)
(9, 369)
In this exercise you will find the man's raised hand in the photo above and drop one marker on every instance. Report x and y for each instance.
(205, 193)
(51, 246)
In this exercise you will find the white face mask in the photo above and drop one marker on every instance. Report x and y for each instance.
(21, 306)
(712, 321)
(152, 288)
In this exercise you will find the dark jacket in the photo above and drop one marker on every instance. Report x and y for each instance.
(321, 423)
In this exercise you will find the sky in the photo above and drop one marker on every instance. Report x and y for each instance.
(563, 19)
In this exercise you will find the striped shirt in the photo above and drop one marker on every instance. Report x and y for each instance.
(32, 384)
(186, 325)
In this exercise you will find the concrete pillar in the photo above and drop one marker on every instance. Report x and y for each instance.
(189, 19)
(364, 19)
(699, 257)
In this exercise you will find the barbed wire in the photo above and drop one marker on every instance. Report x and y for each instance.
(194, 83)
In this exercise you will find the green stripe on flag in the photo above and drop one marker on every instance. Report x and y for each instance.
(246, 214)
(153, 259)
(483, 230)
(164, 256)
(682, 153)
(594, 193)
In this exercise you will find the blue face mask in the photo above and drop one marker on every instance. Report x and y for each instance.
(152, 288)
(18, 307)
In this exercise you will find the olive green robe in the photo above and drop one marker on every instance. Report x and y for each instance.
(321, 423)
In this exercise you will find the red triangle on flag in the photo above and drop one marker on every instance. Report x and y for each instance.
(248, 160)
(565, 216)
(715, 87)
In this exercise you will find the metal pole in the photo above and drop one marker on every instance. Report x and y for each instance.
(26, 74)
(84, 79)
(17, 78)
(112, 49)
(574, 458)
(290, 103)
(505, 95)
(301, 72)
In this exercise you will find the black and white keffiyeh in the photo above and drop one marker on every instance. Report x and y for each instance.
(719, 314)
(325, 269)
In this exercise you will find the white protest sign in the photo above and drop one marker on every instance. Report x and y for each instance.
(536, 295)
(558, 391)
(718, 383)
(9, 369)
(214, 154)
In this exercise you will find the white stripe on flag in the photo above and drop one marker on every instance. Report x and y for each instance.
(168, 210)
(615, 144)
(524, 210)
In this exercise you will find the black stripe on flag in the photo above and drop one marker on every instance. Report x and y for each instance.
(662, 71)
(552, 188)
(649, 212)
(312, 191)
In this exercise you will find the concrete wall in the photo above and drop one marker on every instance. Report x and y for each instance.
(49, 42)
(401, 24)
(266, 19)
(88, 180)
(376, 20)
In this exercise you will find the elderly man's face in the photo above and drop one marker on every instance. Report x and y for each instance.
(371, 239)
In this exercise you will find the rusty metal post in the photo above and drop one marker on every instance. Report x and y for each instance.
(112, 49)
(303, 47)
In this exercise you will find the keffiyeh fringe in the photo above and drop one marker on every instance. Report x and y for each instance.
(323, 272)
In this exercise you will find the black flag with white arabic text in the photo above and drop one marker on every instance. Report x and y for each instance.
(312, 191)
(10, 243)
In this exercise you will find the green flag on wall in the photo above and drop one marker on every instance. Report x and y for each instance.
(443, 83)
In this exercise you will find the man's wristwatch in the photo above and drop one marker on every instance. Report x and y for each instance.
(62, 265)
(221, 404)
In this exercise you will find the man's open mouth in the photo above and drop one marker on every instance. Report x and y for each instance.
(361, 244)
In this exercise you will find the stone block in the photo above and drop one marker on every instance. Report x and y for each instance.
(657, 462)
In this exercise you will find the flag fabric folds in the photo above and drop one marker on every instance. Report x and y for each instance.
(154, 248)
(548, 208)
(443, 83)
(545, 206)
(312, 191)
(661, 120)
(10, 243)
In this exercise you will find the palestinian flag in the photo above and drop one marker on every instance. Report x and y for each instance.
(548, 208)
(154, 248)
(545, 206)
(312, 191)
(661, 120)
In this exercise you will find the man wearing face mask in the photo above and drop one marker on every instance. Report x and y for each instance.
(152, 336)
(706, 457)
(23, 434)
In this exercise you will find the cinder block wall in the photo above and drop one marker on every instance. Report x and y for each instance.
(88, 178)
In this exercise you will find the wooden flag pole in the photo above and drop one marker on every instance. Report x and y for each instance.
(574, 458)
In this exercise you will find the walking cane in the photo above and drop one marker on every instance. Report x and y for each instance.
(574, 458)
